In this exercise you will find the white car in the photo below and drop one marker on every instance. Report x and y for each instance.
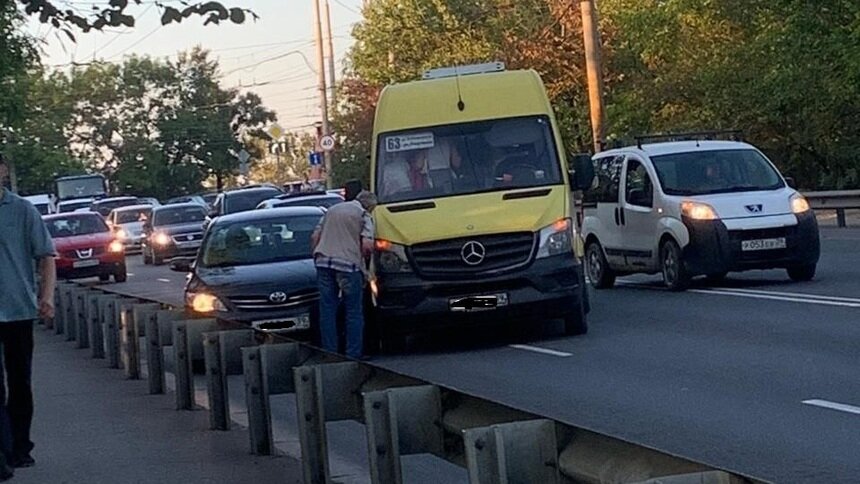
(127, 224)
(43, 203)
(74, 205)
(691, 208)
(323, 200)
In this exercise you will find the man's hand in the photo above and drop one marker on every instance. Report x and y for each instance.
(46, 308)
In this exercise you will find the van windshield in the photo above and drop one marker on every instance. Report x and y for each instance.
(720, 171)
(466, 158)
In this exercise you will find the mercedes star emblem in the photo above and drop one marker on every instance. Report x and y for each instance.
(277, 297)
(473, 253)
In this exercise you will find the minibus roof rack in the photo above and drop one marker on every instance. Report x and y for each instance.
(730, 134)
(443, 72)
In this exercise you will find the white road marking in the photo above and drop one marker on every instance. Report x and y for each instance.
(775, 297)
(842, 407)
(163, 280)
(792, 294)
(543, 351)
(130, 274)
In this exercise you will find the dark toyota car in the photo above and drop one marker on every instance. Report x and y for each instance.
(257, 268)
(173, 231)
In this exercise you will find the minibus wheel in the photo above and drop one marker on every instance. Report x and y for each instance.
(576, 323)
(801, 273)
(601, 275)
(675, 273)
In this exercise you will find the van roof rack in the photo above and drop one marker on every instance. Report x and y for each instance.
(731, 134)
(443, 72)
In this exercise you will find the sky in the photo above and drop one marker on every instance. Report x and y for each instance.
(244, 51)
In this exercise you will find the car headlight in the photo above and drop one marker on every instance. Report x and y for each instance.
(116, 247)
(202, 302)
(799, 204)
(121, 234)
(391, 257)
(161, 238)
(556, 239)
(698, 211)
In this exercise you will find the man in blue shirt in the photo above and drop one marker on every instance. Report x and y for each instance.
(24, 243)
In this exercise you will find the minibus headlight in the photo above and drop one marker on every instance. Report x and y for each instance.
(391, 257)
(799, 203)
(202, 302)
(556, 239)
(698, 211)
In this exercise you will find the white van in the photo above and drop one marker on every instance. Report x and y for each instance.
(43, 203)
(691, 208)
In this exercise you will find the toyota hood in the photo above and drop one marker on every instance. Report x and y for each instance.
(520, 210)
(257, 279)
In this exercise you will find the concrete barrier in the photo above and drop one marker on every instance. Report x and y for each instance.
(223, 355)
(187, 344)
(159, 334)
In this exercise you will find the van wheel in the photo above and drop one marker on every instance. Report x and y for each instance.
(716, 277)
(121, 275)
(675, 274)
(802, 273)
(602, 276)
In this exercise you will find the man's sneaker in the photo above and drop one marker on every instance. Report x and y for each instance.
(23, 461)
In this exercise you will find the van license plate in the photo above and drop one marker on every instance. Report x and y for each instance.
(478, 303)
(78, 264)
(763, 244)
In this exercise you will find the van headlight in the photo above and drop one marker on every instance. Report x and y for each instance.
(698, 211)
(391, 257)
(202, 302)
(160, 238)
(556, 239)
(799, 204)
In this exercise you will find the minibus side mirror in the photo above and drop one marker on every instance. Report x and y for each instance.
(790, 181)
(582, 171)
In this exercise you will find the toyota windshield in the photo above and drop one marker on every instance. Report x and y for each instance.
(467, 158)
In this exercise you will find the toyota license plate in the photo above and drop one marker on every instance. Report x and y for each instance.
(477, 303)
(763, 244)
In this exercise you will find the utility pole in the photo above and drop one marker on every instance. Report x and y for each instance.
(594, 69)
(330, 43)
(322, 88)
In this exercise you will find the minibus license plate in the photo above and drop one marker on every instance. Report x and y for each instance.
(85, 263)
(477, 303)
(763, 244)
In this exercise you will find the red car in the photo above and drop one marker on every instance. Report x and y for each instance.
(86, 247)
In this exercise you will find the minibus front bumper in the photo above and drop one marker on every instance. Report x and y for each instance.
(545, 289)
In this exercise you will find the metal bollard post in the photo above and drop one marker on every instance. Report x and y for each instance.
(110, 314)
(512, 452)
(216, 384)
(158, 335)
(82, 332)
(382, 439)
(840, 218)
(130, 330)
(70, 327)
(309, 403)
(94, 326)
(184, 377)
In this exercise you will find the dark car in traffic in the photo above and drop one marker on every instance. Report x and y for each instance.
(104, 206)
(86, 247)
(173, 231)
(312, 199)
(257, 268)
(242, 199)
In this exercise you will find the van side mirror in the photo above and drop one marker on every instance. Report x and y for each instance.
(582, 171)
(790, 181)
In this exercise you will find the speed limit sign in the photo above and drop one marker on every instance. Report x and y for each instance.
(327, 143)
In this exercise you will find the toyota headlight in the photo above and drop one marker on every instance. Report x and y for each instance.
(799, 204)
(556, 239)
(161, 238)
(202, 302)
(391, 257)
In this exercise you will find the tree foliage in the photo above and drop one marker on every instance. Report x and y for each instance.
(784, 71)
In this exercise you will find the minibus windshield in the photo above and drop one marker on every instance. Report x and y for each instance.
(720, 171)
(466, 158)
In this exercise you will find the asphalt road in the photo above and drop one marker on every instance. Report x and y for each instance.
(759, 375)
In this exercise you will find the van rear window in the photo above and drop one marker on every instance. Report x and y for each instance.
(466, 158)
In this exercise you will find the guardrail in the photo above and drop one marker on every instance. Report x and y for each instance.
(402, 415)
(838, 200)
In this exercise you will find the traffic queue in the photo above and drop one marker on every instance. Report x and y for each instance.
(482, 218)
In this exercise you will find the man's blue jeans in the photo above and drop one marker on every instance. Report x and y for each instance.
(334, 285)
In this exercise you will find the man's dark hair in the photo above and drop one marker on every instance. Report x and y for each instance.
(351, 189)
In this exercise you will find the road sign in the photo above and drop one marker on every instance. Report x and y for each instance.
(327, 143)
(276, 131)
(243, 156)
(315, 158)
